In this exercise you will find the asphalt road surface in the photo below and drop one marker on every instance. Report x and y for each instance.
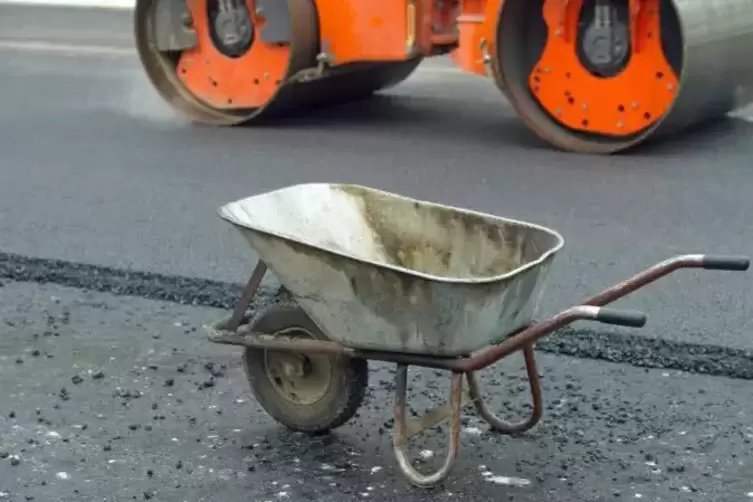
(109, 195)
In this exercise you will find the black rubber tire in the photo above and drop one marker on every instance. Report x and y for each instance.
(349, 378)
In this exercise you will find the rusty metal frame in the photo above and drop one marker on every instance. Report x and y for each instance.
(234, 332)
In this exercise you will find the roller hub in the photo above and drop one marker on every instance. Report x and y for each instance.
(233, 30)
(604, 44)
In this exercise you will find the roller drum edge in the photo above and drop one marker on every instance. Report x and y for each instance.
(161, 68)
(715, 70)
(717, 75)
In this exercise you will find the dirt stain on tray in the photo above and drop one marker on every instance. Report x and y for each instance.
(439, 240)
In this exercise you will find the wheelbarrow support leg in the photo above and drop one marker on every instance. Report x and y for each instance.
(249, 291)
(498, 424)
(400, 435)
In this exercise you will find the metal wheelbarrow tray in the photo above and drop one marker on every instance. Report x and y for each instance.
(375, 275)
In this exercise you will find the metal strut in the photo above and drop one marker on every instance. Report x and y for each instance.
(496, 423)
(406, 429)
(400, 436)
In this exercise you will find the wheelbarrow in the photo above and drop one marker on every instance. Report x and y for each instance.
(377, 276)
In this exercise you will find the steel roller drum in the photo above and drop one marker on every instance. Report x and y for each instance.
(707, 44)
(168, 51)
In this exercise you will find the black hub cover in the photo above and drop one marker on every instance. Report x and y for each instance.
(231, 27)
(604, 37)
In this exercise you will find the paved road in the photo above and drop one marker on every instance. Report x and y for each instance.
(113, 398)
(97, 170)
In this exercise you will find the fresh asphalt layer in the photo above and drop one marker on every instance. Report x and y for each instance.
(105, 189)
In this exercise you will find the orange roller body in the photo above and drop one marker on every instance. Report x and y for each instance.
(597, 76)
(623, 104)
(248, 81)
(364, 31)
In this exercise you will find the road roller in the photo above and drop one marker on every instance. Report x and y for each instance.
(588, 76)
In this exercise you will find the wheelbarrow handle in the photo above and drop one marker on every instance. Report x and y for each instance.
(722, 262)
(651, 274)
(620, 317)
(530, 335)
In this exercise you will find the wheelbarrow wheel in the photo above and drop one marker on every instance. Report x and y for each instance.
(306, 393)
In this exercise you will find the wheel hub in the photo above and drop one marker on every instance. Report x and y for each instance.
(299, 378)
(232, 28)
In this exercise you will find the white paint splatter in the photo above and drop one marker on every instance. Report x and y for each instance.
(426, 454)
(376, 469)
(749, 495)
(474, 431)
(63, 475)
(506, 480)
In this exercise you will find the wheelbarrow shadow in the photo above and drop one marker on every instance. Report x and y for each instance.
(358, 457)
(347, 462)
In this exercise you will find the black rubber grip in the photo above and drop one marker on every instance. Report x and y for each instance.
(738, 263)
(632, 318)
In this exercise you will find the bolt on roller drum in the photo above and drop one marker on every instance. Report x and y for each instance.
(225, 62)
(601, 76)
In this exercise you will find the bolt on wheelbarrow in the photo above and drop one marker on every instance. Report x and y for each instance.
(378, 276)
